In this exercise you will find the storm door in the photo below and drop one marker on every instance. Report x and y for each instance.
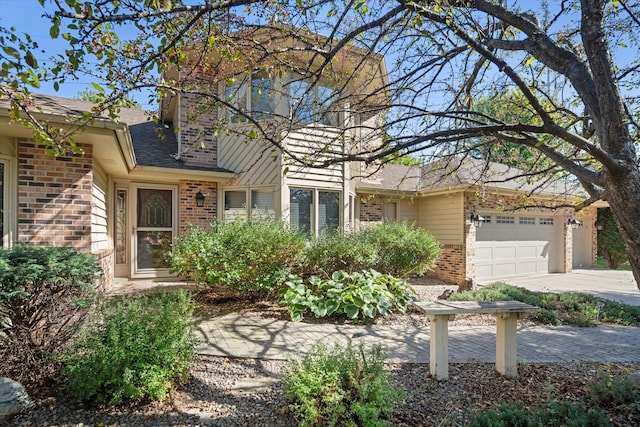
(154, 229)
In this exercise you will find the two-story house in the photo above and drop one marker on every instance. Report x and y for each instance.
(140, 183)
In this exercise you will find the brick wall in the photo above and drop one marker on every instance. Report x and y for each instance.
(189, 213)
(198, 145)
(448, 269)
(371, 210)
(54, 197)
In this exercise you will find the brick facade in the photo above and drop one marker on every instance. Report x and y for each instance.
(457, 261)
(188, 212)
(54, 197)
(451, 264)
(371, 210)
(198, 143)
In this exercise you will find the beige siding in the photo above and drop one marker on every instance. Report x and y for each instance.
(443, 216)
(408, 210)
(99, 234)
(306, 144)
(254, 162)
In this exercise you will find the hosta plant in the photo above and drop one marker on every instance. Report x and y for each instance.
(361, 295)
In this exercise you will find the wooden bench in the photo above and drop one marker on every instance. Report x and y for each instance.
(507, 314)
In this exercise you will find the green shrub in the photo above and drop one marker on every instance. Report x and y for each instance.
(560, 414)
(133, 349)
(341, 387)
(546, 317)
(619, 313)
(254, 256)
(44, 295)
(503, 292)
(338, 251)
(358, 295)
(606, 391)
(398, 249)
(403, 249)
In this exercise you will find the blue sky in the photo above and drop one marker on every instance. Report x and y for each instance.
(26, 17)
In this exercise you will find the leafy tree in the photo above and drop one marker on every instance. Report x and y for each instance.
(398, 159)
(98, 98)
(610, 243)
(574, 63)
(511, 107)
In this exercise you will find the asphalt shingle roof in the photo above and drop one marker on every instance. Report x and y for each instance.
(454, 172)
(154, 144)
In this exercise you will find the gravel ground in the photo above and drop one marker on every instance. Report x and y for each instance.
(241, 392)
(245, 392)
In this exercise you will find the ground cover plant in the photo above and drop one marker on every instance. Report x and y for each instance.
(135, 349)
(253, 256)
(363, 296)
(553, 414)
(45, 293)
(566, 308)
(341, 387)
(604, 395)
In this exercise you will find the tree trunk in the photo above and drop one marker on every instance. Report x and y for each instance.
(624, 199)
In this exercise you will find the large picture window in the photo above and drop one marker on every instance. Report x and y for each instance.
(328, 211)
(304, 215)
(300, 209)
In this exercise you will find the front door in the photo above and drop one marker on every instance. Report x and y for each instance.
(154, 229)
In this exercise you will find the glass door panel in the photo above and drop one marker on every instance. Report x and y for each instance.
(154, 228)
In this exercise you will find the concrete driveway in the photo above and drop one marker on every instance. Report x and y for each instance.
(610, 284)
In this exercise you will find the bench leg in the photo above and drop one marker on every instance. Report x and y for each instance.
(506, 345)
(439, 346)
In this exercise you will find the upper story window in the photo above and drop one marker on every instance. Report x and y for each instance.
(263, 97)
(313, 103)
(260, 100)
(235, 94)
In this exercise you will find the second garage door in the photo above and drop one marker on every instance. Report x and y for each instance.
(514, 245)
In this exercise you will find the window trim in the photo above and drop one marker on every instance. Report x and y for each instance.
(10, 201)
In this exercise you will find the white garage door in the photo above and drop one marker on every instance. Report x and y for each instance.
(514, 245)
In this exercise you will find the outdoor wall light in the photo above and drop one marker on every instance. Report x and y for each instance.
(200, 199)
(574, 223)
(476, 220)
(599, 225)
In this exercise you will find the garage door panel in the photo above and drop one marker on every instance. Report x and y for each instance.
(504, 270)
(484, 270)
(484, 252)
(526, 267)
(505, 252)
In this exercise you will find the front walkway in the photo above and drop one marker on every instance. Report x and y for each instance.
(233, 335)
